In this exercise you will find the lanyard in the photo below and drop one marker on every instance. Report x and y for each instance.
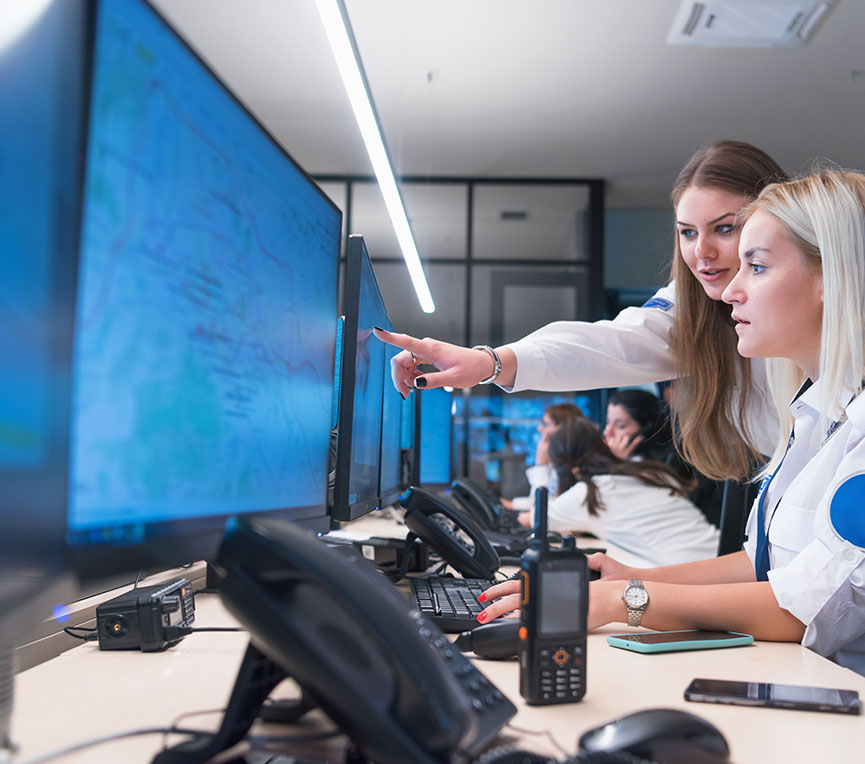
(762, 563)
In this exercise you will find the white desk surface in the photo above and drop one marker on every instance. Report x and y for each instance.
(86, 693)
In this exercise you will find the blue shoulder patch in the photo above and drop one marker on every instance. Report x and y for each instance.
(658, 302)
(847, 510)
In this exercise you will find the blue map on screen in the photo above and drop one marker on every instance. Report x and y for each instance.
(207, 297)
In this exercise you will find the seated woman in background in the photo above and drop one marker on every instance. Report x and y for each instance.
(541, 473)
(636, 429)
(640, 507)
(799, 299)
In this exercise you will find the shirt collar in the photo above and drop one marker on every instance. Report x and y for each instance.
(809, 397)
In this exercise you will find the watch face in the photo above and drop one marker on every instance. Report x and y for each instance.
(636, 596)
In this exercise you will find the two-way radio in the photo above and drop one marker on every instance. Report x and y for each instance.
(555, 604)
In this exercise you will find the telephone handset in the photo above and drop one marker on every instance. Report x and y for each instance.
(479, 503)
(451, 532)
(356, 647)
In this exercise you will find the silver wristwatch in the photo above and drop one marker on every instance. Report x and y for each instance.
(636, 600)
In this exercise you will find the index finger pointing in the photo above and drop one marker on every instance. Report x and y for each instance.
(404, 341)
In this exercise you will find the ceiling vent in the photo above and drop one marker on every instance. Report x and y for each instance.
(747, 23)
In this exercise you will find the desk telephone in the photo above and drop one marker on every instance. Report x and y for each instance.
(452, 533)
(483, 506)
(386, 676)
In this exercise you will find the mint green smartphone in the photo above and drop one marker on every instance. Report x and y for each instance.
(667, 641)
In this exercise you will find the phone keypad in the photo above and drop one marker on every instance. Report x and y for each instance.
(560, 670)
(492, 707)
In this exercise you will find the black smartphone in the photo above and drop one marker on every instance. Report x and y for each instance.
(793, 696)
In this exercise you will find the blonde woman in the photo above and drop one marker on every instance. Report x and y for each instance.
(799, 298)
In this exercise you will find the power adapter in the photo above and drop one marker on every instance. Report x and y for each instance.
(148, 618)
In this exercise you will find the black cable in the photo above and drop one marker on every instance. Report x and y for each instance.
(546, 733)
(90, 635)
(173, 633)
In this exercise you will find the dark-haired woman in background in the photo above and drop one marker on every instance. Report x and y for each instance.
(638, 428)
(640, 507)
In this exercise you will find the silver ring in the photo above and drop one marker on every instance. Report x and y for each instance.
(413, 357)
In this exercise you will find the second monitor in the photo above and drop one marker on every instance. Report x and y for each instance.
(361, 389)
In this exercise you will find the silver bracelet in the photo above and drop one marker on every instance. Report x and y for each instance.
(497, 369)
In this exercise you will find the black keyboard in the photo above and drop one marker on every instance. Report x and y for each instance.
(450, 603)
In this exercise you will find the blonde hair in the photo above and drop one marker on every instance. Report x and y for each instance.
(713, 385)
(824, 216)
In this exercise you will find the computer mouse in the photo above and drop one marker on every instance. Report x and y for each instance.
(664, 735)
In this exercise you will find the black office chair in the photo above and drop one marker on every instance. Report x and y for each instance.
(735, 505)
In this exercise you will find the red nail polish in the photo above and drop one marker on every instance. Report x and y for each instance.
(482, 616)
(482, 597)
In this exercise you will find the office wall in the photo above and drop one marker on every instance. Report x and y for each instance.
(638, 246)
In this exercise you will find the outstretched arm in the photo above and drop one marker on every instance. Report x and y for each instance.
(457, 366)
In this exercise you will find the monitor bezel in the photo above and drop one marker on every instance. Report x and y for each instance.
(389, 494)
(344, 510)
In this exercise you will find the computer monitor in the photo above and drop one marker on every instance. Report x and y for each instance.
(40, 167)
(358, 447)
(391, 481)
(409, 421)
(207, 294)
(435, 439)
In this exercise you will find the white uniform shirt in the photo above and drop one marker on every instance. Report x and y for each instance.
(632, 349)
(539, 476)
(652, 526)
(814, 513)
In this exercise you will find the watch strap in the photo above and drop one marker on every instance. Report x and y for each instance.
(635, 614)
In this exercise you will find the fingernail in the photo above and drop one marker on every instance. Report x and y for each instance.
(403, 396)
(420, 382)
(482, 597)
(482, 616)
(378, 328)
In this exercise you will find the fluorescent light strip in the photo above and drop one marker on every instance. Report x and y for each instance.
(339, 34)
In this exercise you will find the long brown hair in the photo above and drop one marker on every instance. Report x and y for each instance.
(710, 421)
(578, 453)
(559, 412)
